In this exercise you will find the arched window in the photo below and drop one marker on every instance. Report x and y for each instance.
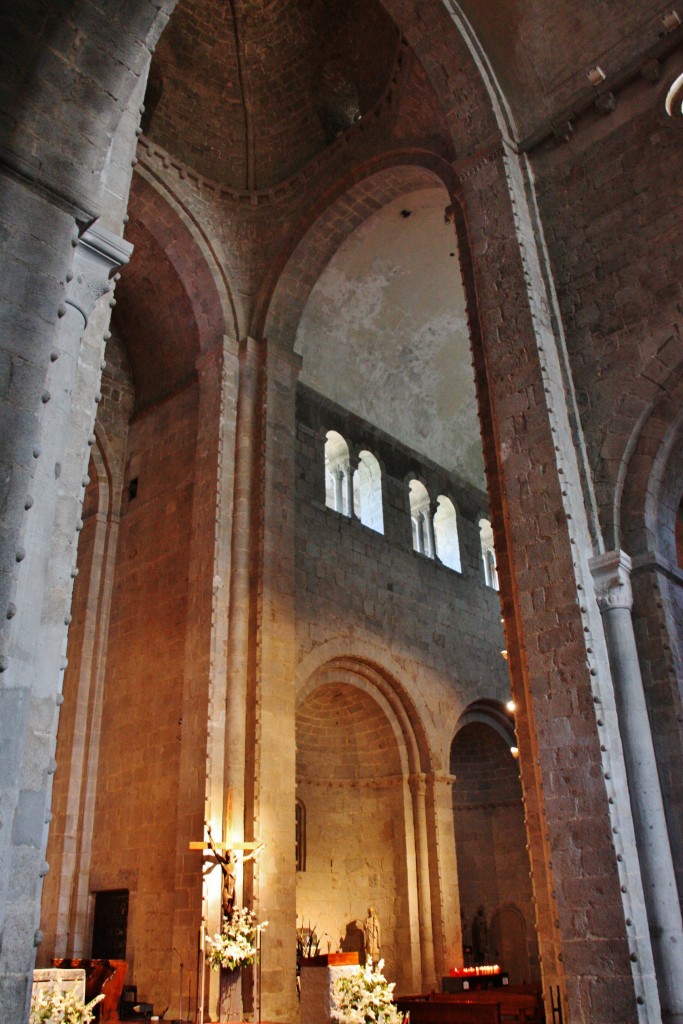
(367, 492)
(446, 533)
(421, 515)
(488, 554)
(338, 478)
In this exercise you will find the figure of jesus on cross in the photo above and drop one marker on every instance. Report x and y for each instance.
(226, 857)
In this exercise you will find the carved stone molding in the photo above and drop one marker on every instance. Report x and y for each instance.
(99, 254)
(612, 578)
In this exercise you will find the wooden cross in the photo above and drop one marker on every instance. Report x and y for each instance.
(215, 848)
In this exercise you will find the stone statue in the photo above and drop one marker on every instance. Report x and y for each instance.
(371, 932)
(480, 937)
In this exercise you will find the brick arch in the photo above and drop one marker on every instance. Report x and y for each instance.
(194, 254)
(283, 296)
(386, 691)
(491, 713)
(169, 303)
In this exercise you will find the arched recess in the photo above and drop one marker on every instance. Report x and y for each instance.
(285, 291)
(446, 533)
(66, 894)
(363, 766)
(493, 863)
(421, 518)
(172, 300)
(367, 481)
(338, 478)
(194, 252)
(646, 513)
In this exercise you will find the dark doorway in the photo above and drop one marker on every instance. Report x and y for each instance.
(110, 925)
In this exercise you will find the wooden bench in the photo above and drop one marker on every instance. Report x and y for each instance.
(521, 1007)
(429, 1011)
(105, 976)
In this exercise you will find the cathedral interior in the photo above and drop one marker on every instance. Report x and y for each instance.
(342, 492)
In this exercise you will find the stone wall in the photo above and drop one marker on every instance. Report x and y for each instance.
(493, 863)
(434, 632)
(134, 835)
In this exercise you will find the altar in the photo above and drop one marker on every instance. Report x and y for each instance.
(318, 975)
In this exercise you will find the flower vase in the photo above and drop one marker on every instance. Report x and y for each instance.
(230, 995)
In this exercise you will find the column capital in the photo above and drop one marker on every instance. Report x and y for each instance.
(99, 254)
(611, 573)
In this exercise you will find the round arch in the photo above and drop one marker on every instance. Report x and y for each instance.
(197, 256)
(491, 847)
(341, 210)
(383, 681)
(360, 781)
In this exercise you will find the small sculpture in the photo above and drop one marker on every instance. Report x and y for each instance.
(371, 933)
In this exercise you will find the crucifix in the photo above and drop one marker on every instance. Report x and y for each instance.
(223, 854)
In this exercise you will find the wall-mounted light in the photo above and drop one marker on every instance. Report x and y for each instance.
(511, 706)
(674, 98)
(504, 655)
(671, 21)
(596, 76)
(515, 752)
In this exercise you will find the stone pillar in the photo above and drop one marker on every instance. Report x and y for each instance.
(204, 679)
(592, 923)
(447, 944)
(612, 575)
(338, 477)
(38, 615)
(419, 533)
(273, 760)
(428, 526)
(348, 491)
(418, 790)
(243, 526)
(229, 694)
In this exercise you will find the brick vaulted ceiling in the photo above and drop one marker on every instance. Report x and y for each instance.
(248, 92)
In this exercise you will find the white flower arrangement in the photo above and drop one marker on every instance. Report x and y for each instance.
(364, 997)
(237, 944)
(55, 1005)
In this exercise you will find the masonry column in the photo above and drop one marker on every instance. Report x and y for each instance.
(201, 789)
(348, 490)
(418, 789)
(275, 753)
(38, 614)
(445, 896)
(612, 575)
(428, 520)
(592, 924)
